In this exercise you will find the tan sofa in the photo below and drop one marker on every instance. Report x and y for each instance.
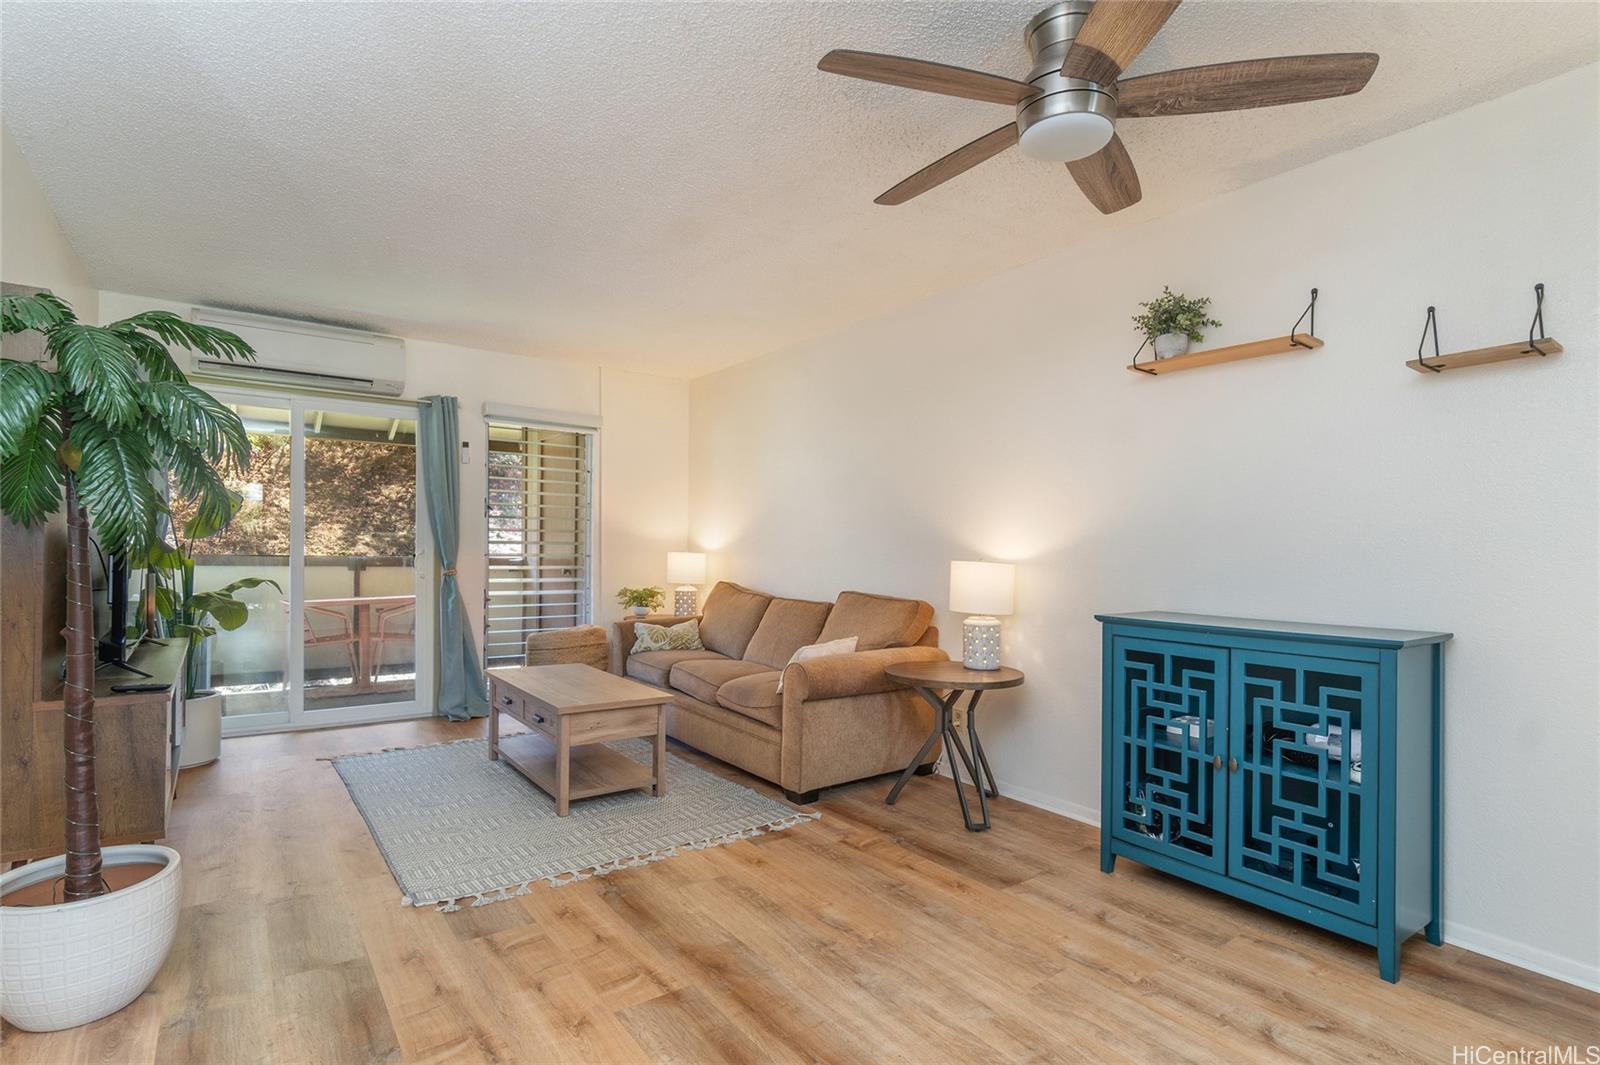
(837, 719)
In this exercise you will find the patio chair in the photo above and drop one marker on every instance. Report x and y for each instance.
(391, 624)
(343, 634)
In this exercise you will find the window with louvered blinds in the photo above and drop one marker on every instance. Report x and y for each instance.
(539, 510)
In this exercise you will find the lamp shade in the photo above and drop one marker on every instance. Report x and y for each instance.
(982, 587)
(686, 567)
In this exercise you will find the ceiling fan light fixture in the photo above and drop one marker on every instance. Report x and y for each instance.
(1063, 137)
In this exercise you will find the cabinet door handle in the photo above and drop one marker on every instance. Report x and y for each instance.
(1233, 765)
(1216, 761)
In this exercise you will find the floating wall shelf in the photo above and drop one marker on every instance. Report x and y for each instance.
(1483, 356)
(1295, 341)
(1522, 349)
(1215, 356)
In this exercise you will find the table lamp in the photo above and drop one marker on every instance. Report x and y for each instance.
(687, 569)
(982, 589)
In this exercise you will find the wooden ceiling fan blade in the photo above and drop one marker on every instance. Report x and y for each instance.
(926, 76)
(1114, 32)
(1285, 79)
(959, 161)
(1108, 178)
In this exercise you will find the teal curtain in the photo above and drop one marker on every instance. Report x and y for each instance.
(459, 677)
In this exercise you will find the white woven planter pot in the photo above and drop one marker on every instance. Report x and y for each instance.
(66, 965)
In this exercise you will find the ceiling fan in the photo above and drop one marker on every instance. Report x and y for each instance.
(1068, 107)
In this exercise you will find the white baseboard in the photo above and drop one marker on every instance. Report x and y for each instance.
(1034, 798)
(1545, 963)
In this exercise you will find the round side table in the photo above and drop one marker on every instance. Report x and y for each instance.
(930, 678)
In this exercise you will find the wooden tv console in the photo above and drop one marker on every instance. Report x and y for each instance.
(137, 734)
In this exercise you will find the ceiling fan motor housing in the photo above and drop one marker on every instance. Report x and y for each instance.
(1070, 118)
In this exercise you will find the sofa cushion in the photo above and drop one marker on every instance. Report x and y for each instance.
(876, 620)
(655, 667)
(755, 696)
(787, 626)
(702, 677)
(730, 618)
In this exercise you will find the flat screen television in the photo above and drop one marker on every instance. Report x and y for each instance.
(117, 589)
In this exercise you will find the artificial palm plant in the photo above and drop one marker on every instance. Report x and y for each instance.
(94, 429)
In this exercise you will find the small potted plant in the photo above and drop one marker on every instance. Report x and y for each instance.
(1172, 321)
(643, 600)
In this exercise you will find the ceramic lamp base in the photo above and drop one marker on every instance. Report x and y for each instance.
(980, 643)
(684, 600)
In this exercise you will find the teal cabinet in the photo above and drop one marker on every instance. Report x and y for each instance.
(1295, 766)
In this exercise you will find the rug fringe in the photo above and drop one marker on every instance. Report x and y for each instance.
(512, 891)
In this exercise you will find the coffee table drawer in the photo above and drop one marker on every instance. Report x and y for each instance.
(602, 725)
(513, 703)
(506, 700)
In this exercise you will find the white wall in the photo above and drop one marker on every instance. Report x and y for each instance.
(643, 448)
(998, 421)
(33, 250)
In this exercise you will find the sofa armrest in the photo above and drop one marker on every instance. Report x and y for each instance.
(859, 673)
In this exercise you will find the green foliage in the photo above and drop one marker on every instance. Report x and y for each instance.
(38, 312)
(31, 473)
(113, 478)
(196, 615)
(111, 409)
(645, 597)
(28, 389)
(1173, 312)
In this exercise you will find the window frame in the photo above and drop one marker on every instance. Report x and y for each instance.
(589, 451)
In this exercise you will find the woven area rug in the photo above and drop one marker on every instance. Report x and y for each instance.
(455, 826)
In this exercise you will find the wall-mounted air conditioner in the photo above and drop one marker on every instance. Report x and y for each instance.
(305, 355)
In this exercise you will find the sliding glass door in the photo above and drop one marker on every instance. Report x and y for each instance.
(333, 514)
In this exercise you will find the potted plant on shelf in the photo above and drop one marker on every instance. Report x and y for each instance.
(642, 600)
(1172, 320)
(196, 616)
(91, 430)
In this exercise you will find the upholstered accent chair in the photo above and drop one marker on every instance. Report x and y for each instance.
(837, 719)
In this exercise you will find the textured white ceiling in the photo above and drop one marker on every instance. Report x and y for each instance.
(668, 186)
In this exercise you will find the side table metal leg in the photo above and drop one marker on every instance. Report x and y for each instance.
(992, 787)
(954, 741)
(941, 722)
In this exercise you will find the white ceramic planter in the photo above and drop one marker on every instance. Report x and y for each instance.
(641, 611)
(66, 965)
(1170, 344)
(202, 730)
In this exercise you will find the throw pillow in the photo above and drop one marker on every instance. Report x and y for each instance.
(685, 636)
(845, 646)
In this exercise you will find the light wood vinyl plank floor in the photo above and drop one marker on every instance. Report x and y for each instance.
(877, 934)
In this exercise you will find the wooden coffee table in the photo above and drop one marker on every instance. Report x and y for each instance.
(572, 710)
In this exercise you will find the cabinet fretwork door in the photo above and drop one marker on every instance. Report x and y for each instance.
(1170, 723)
(1302, 824)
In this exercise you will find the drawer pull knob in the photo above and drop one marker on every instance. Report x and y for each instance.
(1233, 765)
(505, 700)
(538, 719)
(1216, 761)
